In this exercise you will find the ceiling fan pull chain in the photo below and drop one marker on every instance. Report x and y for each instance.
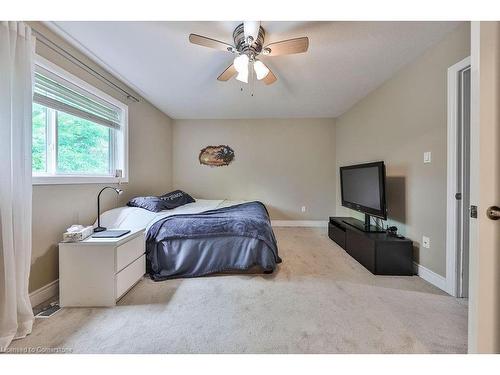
(252, 78)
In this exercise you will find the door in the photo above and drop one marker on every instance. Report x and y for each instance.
(484, 241)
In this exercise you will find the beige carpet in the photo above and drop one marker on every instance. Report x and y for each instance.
(319, 301)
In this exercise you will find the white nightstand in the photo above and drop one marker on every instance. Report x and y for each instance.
(99, 271)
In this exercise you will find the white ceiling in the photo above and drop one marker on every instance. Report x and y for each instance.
(345, 61)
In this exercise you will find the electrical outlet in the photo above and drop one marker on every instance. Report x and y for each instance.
(303, 209)
(427, 157)
(426, 242)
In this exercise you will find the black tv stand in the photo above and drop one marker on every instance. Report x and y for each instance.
(380, 253)
(365, 227)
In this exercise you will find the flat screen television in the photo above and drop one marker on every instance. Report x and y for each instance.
(362, 189)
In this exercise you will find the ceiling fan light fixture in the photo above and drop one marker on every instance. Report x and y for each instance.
(261, 70)
(241, 63)
(242, 76)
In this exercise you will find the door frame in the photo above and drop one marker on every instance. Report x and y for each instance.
(452, 262)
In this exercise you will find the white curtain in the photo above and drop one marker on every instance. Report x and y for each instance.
(16, 92)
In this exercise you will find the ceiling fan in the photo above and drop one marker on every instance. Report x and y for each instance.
(248, 45)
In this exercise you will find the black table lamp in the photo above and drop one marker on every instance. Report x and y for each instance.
(99, 228)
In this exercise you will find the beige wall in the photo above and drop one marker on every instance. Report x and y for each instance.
(286, 164)
(397, 123)
(55, 207)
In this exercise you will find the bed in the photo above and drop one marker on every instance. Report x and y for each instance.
(201, 238)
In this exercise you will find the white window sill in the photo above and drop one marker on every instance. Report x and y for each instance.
(66, 180)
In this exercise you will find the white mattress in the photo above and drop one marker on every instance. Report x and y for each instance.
(135, 218)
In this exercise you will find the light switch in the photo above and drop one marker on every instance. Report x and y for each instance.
(426, 242)
(427, 157)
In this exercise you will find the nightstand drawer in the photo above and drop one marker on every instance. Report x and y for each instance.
(127, 277)
(129, 251)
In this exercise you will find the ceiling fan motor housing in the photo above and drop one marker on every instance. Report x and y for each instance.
(254, 48)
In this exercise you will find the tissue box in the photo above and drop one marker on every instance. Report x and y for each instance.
(78, 236)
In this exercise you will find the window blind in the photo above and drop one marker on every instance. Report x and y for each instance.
(55, 92)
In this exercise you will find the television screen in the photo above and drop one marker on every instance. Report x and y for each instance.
(363, 188)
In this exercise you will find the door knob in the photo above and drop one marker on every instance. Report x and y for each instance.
(493, 212)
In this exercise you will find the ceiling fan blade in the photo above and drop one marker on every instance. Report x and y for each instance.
(270, 78)
(210, 43)
(287, 47)
(228, 73)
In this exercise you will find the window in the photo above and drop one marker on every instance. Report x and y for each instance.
(79, 133)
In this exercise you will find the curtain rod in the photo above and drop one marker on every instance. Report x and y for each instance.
(68, 56)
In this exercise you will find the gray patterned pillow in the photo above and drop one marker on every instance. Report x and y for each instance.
(176, 199)
(167, 201)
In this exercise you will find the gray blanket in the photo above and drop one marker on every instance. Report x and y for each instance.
(231, 238)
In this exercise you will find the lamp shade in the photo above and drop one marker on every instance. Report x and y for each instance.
(261, 70)
(242, 77)
(241, 65)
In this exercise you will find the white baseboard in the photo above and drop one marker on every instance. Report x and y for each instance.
(430, 276)
(44, 293)
(299, 223)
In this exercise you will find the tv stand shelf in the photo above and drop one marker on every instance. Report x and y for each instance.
(380, 253)
(358, 224)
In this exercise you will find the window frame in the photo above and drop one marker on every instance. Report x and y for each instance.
(118, 148)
